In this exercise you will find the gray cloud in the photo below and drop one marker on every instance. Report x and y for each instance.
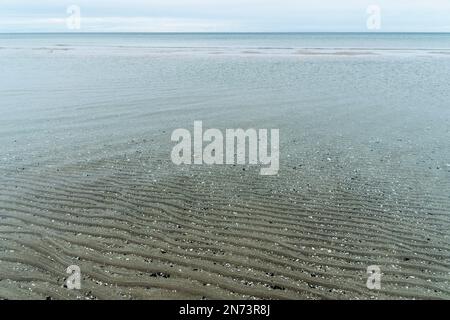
(224, 15)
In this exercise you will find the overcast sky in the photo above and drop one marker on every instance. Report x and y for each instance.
(224, 15)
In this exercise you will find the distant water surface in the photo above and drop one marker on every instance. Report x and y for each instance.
(234, 41)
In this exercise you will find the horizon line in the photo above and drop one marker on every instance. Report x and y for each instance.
(224, 32)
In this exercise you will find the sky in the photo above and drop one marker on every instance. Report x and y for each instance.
(225, 15)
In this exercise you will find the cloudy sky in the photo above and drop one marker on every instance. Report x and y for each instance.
(224, 15)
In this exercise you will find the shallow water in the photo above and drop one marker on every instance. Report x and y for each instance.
(87, 179)
(226, 43)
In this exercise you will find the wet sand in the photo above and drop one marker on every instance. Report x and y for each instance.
(86, 177)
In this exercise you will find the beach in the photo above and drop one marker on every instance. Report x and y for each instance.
(86, 176)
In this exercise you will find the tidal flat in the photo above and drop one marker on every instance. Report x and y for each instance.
(86, 176)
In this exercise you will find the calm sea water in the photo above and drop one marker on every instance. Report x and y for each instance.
(62, 94)
(236, 41)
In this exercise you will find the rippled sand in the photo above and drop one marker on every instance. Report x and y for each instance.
(86, 177)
